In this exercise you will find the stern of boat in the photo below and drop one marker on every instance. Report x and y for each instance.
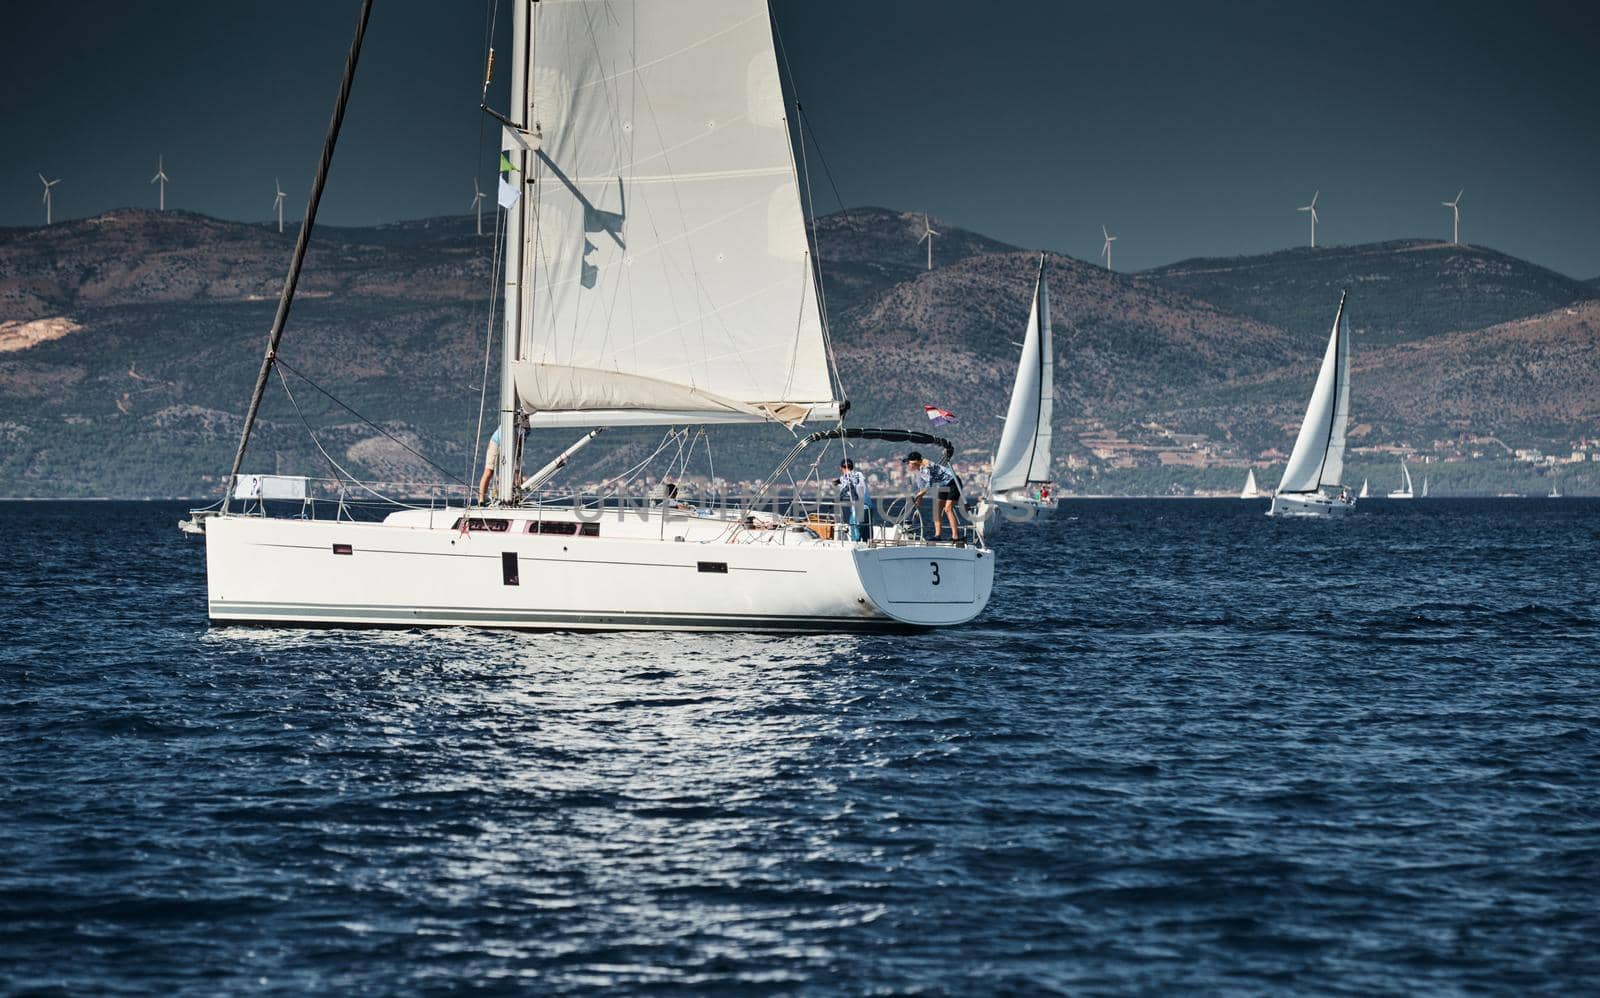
(927, 585)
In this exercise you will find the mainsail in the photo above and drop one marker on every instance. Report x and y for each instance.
(660, 271)
(1024, 452)
(1318, 455)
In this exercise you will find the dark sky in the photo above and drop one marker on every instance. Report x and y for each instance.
(1189, 129)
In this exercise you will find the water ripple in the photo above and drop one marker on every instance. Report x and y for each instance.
(1186, 749)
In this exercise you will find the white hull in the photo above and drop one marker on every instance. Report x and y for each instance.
(416, 569)
(1314, 504)
(1023, 499)
(1399, 495)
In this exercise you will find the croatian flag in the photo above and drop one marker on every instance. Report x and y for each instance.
(938, 416)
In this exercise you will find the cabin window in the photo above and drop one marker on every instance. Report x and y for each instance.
(553, 527)
(508, 568)
(493, 526)
(714, 567)
(343, 549)
(588, 530)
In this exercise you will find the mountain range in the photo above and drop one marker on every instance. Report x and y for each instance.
(128, 343)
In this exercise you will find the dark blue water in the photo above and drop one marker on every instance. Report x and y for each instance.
(1187, 749)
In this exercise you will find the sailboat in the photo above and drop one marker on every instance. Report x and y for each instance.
(1555, 490)
(1311, 483)
(658, 272)
(1424, 486)
(1251, 490)
(1364, 493)
(1021, 469)
(1404, 491)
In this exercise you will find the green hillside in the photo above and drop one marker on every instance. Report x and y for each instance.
(1401, 290)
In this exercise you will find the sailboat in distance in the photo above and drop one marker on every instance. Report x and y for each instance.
(658, 272)
(1365, 492)
(1021, 473)
(1311, 483)
(1404, 491)
(1251, 490)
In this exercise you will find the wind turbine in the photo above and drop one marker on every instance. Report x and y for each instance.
(1312, 207)
(1455, 217)
(277, 203)
(161, 178)
(47, 202)
(477, 203)
(1105, 250)
(928, 234)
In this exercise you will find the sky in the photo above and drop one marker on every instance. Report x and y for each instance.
(1186, 129)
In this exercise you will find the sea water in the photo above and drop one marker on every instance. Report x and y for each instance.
(1186, 749)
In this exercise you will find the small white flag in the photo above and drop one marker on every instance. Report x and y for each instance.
(509, 192)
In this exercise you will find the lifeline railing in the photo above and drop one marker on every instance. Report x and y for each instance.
(896, 521)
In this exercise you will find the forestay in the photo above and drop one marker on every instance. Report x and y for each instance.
(1024, 452)
(1318, 455)
(665, 261)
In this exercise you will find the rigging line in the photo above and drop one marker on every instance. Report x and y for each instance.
(337, 468)
(711, 464)
(814, 237)
(630, 472)
(814, 244)
(341, 404)
(302, 242)
(1333, 417)
(823, 159)
(488, 351)
(678, 459)
(491, 10)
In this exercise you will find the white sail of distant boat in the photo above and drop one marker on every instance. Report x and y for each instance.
(658, 271)
(1311, 484)
(1251, 490)
(1364, 491)
(1555, 490)
(1404, 491)
(1021, 472)
(1424, 486)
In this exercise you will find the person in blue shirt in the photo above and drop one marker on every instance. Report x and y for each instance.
(491, 460)
(853, 499)
(946, 491)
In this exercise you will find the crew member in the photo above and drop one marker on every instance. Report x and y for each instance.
(946, 491)
(491, 459)
(853, 499)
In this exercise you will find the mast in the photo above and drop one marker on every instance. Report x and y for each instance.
(1334, 415)
(1047, 382)
(511, 339)
(286, 300)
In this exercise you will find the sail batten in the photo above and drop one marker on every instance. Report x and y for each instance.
(669, 266)
(1023, 455)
